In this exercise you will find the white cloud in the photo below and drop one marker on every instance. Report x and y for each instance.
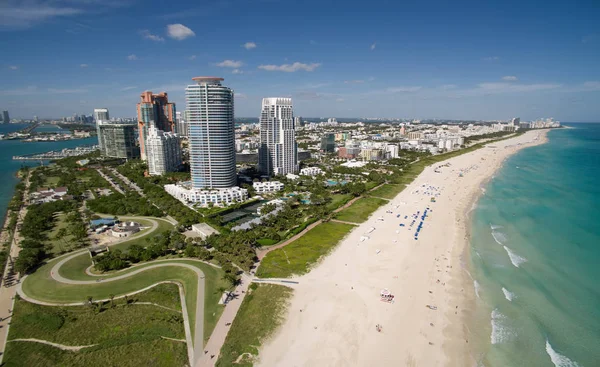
(510, 78)
(24, 14)
(491, 58)
(502, 87)
(356, 81)
(404, 89)
(13, 67)
(193, 57)
(240, 95)
(83, 65)
(594, 85)
(128, 88)
(132, 57)
(339, 100)
(153, 37)
(179, 31)
(229, 64)
(249, 45)
(290, 68)
(66, 91)
(448, 86)
(373, 46)
(237, 71)
(19, 91)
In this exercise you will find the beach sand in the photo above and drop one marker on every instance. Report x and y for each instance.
(333, 314)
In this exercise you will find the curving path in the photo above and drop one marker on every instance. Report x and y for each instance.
(59, 346)
(194, 349)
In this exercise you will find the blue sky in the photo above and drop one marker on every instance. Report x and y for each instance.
(419, 59)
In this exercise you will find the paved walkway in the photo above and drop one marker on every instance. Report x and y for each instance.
(110, 181)
(59, 346)
(8, 287)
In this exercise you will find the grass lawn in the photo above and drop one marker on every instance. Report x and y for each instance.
(360, 210)
(51, 181)
(59, 246)
(338, 200)
(369, 185)
(119, 332)
(262, 311)
(387, 191)
(297, 257)
(41, 286)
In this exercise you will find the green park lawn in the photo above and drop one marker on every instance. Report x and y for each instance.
(338, 200)
(119, 332)
(387, 191)
(51, 181)
(59, 246)
(261, 313)
(360, 210)
(297, 257)
(40, 285)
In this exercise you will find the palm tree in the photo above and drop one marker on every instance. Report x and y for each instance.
(90, 300)
(112, 298)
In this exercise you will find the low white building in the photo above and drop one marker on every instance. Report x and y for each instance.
(311, 171)
(291, 176)
(204, 230)
(219, 197)
(269, 186)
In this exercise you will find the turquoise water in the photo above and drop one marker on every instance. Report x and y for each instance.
(535, 256)
(9, 148)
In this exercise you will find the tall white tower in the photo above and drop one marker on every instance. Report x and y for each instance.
(163, 151)
(278, 153)
(211, 133)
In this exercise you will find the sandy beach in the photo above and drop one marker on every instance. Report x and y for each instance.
(335, 309)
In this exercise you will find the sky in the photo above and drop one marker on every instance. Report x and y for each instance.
(378, 58)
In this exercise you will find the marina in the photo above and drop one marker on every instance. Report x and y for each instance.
(57, 154)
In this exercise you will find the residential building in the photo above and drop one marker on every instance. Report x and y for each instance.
(269, 186)
(298, 122)
(311, 171)
(392, 151)
(154, 110)
(182, 125)
(278, 152)
(101, 114)
(515, 121)
(118, 140)
(328, 143)
(220, 197)
(5, 117)
(163, 152)
(371, 154)
(415, 135)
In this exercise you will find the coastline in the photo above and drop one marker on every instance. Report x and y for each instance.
(339, 299)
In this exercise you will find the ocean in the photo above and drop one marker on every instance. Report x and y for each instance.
(10, 148)
(535, 256)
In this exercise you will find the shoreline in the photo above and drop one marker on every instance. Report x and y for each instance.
(339, 299)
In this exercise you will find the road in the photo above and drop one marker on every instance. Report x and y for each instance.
(110, 181)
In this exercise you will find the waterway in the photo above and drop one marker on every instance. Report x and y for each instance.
(10, 148)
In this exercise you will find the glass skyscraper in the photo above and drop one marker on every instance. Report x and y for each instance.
(211, 134)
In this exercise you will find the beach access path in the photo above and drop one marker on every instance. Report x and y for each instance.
(333, 313)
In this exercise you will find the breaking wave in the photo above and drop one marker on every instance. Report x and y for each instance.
(499, 237)
(477, 287)
(494, 226)
(501, 332)
(508, 294)
(558, 359)
(515, 259)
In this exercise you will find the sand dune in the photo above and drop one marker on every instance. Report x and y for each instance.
(340, 298)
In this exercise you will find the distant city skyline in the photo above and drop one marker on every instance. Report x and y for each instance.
(449, 60)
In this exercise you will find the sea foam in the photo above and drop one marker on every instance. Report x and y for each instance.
(494, 226)
(515, 259)
(558, 359)
(499, 237)
(508, 294)
(500, 330)
(476, 286)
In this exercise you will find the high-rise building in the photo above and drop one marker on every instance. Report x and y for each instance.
(515, 121)
(5, 117)
(328, 143)
(211, 133)
(154, 110)
(36, 119)
(163, 151)
(101, 114)
(117, 140)
(182, 124)
(278, 153)
(298, 122)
